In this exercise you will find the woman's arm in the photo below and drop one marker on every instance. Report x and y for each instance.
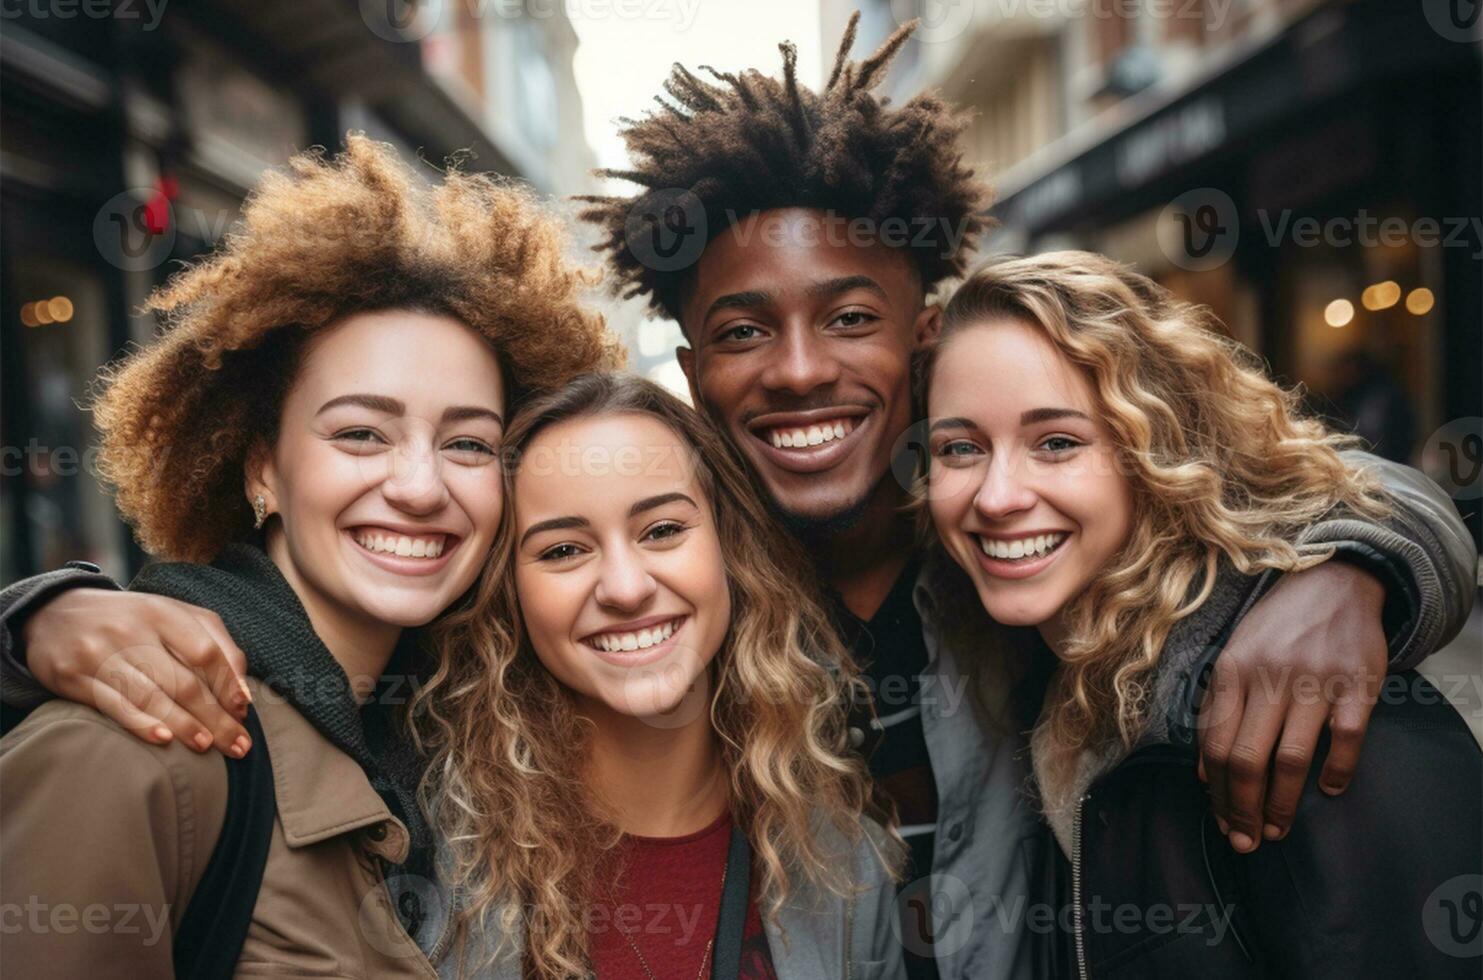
(161, 668)
(103, 840)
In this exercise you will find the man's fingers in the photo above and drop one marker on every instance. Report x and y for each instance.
(1290, 765)
(1347, 724)
(1219, 722)
(1247, 765)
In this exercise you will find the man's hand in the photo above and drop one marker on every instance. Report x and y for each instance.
(1311, 651)
(159, 667)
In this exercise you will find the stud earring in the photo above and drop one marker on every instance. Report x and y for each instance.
(259, 511)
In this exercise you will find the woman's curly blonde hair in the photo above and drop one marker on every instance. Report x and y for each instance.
(1222, 463)
(319, 241)
(510, 747)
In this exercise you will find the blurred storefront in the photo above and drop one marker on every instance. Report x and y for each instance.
(1312, 170)
(129, 143)
(1321, 194)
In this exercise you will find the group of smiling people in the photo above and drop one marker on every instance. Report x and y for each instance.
(525, 668)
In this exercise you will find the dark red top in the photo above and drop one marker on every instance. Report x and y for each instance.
(668, 901)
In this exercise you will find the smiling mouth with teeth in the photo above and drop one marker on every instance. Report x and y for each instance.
(401, 545)
(635, 640)
(1021, 549)
(801, 437)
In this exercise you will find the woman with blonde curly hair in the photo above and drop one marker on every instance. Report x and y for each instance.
(641, 707)
(311, 448)
(1127, 487)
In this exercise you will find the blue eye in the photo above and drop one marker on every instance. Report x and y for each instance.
(957, 447)
(1059, 444)
(470, 446)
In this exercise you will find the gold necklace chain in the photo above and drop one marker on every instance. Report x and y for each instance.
(705, 957)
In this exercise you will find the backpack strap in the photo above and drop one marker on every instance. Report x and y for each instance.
(735, 903)
(214, 925)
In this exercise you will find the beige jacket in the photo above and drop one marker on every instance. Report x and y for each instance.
(104, 838)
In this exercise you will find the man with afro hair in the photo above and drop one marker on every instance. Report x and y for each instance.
(797, 236)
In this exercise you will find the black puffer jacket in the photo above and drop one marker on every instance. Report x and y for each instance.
(1146, 886)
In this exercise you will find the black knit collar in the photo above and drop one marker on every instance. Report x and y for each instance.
(266, 619)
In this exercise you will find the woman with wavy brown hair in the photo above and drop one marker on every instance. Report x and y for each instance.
(311, 452)
(642, 706)
(1127, 487)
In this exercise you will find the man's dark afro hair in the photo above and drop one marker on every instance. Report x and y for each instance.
(748, 143)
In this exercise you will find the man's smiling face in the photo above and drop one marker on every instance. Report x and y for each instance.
(800, 349)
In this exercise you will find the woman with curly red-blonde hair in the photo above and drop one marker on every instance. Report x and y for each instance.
(1128, 487)
(312, 447)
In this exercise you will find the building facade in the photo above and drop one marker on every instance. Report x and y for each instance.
(131, 134)
(1309, 169)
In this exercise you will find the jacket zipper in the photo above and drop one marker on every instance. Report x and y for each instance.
(1076, 922)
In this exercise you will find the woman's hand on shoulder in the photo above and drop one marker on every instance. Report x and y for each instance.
(161, 668)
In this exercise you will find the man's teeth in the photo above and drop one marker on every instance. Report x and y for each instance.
(640, 640)
(813, 435)
(401, 545)
(1032, 547)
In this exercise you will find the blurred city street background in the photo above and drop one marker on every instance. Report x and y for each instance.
(1310, 169)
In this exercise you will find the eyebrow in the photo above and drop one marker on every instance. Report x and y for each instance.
(1032, 417)
(1035, 415)
(843, 284)
(659, 500)
(554, 524)
(953, 422)
(566, 523)
(391, 406)
(376, 403)
(746, 299)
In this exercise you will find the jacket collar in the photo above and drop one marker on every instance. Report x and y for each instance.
(321, 792)
(1178, 690)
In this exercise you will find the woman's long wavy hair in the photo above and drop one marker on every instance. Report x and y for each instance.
(510, 745)
(1222, 463)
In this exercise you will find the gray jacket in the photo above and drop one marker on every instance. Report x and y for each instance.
(989, 832)
(818, 935)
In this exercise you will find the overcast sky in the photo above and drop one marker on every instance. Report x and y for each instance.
(622, 60)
